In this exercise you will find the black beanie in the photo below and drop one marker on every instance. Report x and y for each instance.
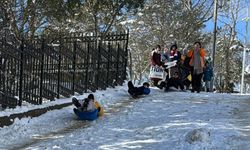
(174, 45)
(91, 96)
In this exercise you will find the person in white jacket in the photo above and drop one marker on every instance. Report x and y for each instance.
(85, 104)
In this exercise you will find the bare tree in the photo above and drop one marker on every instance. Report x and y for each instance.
(226, 55)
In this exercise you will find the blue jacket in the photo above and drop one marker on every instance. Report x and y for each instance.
(208, 73)
(142, 90)
(146, 91)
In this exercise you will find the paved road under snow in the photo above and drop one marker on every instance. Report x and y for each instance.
(174, 120)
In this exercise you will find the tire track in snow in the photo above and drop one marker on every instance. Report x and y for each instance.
(241, 116)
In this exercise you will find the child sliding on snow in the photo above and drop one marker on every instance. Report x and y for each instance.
(136, 91)
(88, 104)
(97, 105)
(85, 104)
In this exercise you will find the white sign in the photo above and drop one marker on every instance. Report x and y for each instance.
(156, 72)
(170, 64)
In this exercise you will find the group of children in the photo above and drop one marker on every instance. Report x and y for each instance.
(190, 68)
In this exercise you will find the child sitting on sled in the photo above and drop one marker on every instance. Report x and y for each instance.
(97, 105)
(88, 104)
(136, 91)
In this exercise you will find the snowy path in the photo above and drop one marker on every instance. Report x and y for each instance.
(175, 120)
(74, 125)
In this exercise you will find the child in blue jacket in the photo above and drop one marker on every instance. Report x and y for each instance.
(208, 74)
(136, 91)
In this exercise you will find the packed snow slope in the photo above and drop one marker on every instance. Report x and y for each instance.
(161, 120)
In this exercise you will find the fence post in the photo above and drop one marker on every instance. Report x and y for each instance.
(74, 66)
(87, 68)
(117, 64)
(21, 74)
(59, 70)
(98, 64)
(108, 65)
(41, 75)
(130, 66)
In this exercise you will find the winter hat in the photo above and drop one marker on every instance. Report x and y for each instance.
(172, 46)
(146, 84)
(91, 96)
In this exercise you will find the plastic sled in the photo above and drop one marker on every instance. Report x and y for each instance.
(86, 115)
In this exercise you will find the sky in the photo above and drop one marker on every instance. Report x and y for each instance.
(240, 28)
(241, 25)
(161, 120)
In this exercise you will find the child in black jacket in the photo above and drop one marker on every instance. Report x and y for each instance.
(174, 81)
(136, 91)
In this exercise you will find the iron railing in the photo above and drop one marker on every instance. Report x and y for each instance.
(46, 69)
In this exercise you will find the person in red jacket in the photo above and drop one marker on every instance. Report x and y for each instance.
(156, 61)
(156, 56)
(174, 53)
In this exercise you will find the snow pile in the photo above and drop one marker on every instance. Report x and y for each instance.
(197, 135)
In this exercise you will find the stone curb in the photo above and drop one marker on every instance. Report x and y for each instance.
(8, 120)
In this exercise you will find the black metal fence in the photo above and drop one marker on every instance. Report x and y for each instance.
(60, 67)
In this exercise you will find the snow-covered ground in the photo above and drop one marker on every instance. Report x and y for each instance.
(173, 120)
